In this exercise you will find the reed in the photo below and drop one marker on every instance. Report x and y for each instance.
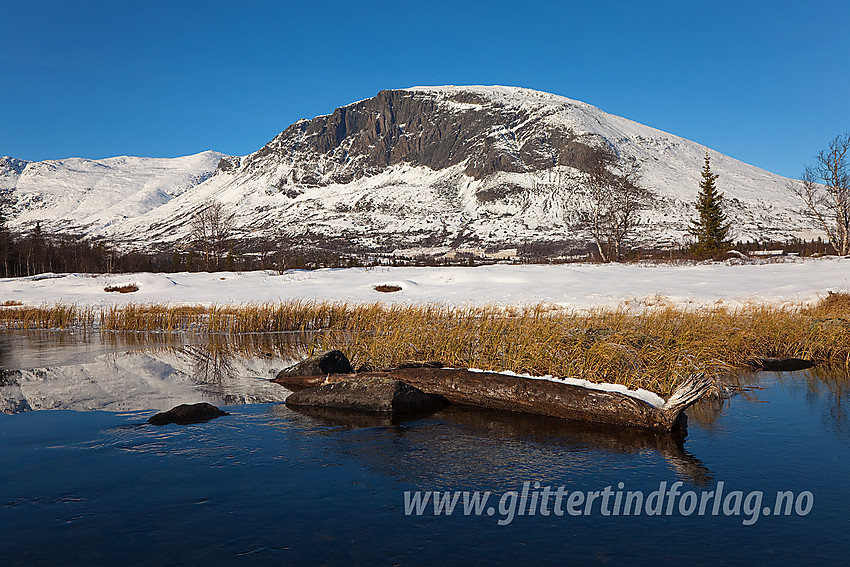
(652, 349)
(56, 316)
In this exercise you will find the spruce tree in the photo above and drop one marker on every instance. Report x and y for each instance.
(712, 227)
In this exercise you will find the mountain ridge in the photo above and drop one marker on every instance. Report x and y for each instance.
(441, 167)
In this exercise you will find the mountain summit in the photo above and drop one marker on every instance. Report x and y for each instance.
(426, 167)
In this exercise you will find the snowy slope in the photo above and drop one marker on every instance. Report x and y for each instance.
(422, 167)
(86, 194)
(408, 204)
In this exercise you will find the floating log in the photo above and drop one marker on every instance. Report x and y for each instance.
(536, 396)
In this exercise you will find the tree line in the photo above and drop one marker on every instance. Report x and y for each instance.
(35, 251)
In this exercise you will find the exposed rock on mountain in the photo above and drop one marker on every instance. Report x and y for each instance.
(417, 128)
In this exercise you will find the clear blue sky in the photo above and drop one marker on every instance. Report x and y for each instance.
(767, 82)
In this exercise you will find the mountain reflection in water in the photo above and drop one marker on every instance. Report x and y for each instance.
(127, 372)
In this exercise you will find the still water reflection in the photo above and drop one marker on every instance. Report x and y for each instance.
(113, 372)
(267, 485)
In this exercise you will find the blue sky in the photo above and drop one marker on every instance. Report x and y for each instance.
(764, 82)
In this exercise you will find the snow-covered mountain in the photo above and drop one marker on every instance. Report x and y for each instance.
(420, 167)
(92, 195)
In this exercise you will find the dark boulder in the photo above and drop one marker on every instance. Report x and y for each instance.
(368, 394)
(322, 364)
(187, 413)
(779, 364)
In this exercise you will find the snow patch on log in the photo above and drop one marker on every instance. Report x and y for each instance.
(651, 398)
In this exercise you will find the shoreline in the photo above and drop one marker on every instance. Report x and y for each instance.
(651, 349)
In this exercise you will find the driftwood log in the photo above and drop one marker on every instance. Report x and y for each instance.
(542, 397)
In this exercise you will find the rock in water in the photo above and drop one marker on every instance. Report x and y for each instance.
(779, 364)
(187, 413)
(330, 362)
(368, 394)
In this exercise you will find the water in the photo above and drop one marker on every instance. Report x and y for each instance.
(50, 370)
(267, 485)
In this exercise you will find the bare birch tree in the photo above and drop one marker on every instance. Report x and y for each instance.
(825, 192)
(212, 227)
(616, 199)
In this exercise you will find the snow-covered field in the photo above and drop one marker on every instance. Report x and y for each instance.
(575, 285)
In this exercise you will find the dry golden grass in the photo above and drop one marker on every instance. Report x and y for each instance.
(127, 288)
(834, 305)
(48, 317)
(653, 349)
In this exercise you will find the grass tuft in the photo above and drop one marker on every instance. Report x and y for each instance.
(127, 288)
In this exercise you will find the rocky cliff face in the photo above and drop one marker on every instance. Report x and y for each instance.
(417, 128)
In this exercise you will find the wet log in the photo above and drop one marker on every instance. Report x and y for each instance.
(553, 398)
(369, 394)
(541, 397)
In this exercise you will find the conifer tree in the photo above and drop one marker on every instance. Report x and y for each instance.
(6, 246)
(712, 228)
